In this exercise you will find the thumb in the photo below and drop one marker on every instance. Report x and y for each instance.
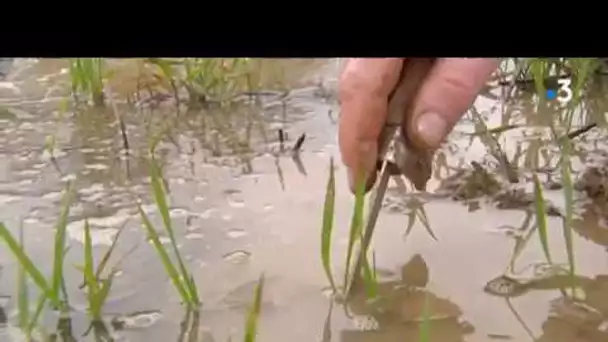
(448, 92)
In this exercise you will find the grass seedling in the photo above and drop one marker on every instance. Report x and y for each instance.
(214, 79)
(356, 230)
(541, 218)
(97, 289)
(328, 222)
(251, 325)
(106, 257)
(568, 189)
(53, 289)
(86, 75)
(23, 299)
(167, 72)
(581, 69)
(180, 277)
(370, 277)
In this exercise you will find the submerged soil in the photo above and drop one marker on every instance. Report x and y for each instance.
(242, 208)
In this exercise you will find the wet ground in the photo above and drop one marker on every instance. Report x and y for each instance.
(242, 209)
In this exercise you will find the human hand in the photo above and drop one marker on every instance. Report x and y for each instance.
(365, 85)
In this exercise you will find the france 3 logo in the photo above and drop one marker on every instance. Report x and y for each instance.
(563, 94)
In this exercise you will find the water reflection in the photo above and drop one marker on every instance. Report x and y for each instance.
(579, 319)
(399, 310)
(593, 223)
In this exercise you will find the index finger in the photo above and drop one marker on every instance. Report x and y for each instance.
(365, 86)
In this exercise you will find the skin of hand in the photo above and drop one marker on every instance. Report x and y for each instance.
(365, 84)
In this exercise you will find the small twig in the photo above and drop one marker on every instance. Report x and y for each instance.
(580, 131)
(298, 145)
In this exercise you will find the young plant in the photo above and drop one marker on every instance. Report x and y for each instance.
(23, 299)
(86, 75)
(97, 288)
(179, 275)
(52, 289)
(541, 218)
(328, 223)
(356, 231)
(251, 325)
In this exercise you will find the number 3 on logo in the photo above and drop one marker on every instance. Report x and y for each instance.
(565, 92)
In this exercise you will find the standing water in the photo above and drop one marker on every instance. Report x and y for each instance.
(242, 206)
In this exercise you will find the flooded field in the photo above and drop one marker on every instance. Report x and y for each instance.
(242, 204)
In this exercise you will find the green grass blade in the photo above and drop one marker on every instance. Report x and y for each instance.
(22, 288)
(569, 203)
(106, 257)
(60, 236)
(163, 208)
(27, 263)
(328, 222)
(39, 307)
(356, 227)
(102, 295)
(164, 257)
(254, 313)
(89, 272)
(541, 218)
(369, 279)
(89, 263)
(193, 290)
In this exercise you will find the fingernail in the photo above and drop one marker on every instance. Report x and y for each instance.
(432, 128)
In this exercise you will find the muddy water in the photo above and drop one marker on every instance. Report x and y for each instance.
(244, 214)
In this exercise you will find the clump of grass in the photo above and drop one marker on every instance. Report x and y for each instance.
(53, 289)
(86, 75)
(214, 78)
(205, 80)
(97, 288)
(179, 275)
(251, 325)
(363, 268)
(580, 70)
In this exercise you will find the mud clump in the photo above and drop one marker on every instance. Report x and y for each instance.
(471, 184)
(593, 182)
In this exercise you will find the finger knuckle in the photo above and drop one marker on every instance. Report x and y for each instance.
(369, 77)
(459, 85)
(351, 83)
